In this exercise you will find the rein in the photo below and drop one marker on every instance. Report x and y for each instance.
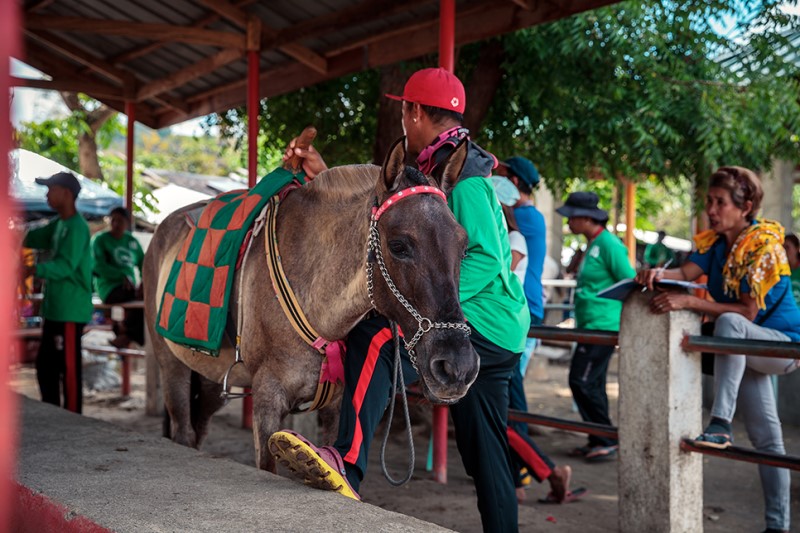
(375, 255)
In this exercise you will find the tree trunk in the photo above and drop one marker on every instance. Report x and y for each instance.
(87, 143)
(389, 127)
(87, 157)
(482, 85)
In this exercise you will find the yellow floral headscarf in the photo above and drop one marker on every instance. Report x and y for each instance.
(757, 254)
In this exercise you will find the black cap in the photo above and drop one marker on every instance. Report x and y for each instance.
(62, 179)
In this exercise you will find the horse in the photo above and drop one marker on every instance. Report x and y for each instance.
(323, 229)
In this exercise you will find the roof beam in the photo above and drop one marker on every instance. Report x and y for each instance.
(298, 52)
(481, 21)
(125, 78)
(143, 30)
(189, 73)
(343, 18)
(73, 85)
(140, 51)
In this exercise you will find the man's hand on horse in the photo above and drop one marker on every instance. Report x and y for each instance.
(313, 163)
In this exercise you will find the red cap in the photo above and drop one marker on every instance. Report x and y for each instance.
(434, 87)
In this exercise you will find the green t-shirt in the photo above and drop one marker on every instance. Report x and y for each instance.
(657, 254)
(68, 274)
(491, 295)
(605, 263)
(796, 285)
(115, 260)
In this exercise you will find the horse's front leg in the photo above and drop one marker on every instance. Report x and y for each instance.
(269, 407)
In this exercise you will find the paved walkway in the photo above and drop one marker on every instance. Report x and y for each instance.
(129, 482)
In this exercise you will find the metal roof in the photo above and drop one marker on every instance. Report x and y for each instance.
(186, 58)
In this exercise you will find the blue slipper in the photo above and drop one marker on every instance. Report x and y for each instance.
(720, 441)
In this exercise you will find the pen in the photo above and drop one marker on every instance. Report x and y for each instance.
(664, 267)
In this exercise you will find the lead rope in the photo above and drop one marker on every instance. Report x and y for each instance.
(397, 374)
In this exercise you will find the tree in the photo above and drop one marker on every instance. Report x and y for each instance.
(90, 115)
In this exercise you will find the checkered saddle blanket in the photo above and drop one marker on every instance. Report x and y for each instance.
(194, 306)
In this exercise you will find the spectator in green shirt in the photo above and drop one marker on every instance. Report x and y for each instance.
(67, 304)
(605, 262)
(118, 258)
(658, 254)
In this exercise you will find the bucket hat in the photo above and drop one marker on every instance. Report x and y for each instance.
(435, 87)
(582, 204)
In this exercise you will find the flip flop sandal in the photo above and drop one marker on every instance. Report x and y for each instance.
(719, 441)
(572, 496)
(321, 468)
(580, 451)
(602, 453)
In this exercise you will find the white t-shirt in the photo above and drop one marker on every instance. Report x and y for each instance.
(518, 244)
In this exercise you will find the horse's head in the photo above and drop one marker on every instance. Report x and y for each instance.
(420, 245)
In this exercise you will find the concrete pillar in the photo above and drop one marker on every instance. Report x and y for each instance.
(660, 487)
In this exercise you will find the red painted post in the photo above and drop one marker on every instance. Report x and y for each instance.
(126, 375)
(447, 34)
(9, 46)
(130, 110)
(447, 47)
(252, 116)
(247, 410)
(71, 360)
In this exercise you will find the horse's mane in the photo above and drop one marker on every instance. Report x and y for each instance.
(342, 183)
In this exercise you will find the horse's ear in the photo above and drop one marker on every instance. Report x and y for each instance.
(393, 166)
(451, 168)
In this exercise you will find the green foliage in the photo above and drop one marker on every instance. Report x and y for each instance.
(203, 154)
(343, 110)
(637, 89)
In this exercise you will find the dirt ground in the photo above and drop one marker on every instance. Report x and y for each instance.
(733, 500)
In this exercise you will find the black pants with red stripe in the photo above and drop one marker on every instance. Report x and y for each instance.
(479, 419)
(51, 368)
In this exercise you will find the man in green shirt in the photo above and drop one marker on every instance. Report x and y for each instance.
(605, 262)
(67, 304)
(118, 258)
(658, 254)
(493, 302)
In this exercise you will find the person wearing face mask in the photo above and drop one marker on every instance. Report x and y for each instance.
(748, 279)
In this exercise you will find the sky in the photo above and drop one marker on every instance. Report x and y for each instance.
(36, 104)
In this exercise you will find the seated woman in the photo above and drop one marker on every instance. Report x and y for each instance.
(748, 277)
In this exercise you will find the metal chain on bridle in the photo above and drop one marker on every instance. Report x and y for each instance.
(424, 325)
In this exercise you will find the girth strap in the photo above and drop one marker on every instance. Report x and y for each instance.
(326, 388)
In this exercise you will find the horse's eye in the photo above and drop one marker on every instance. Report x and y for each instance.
(399, 249)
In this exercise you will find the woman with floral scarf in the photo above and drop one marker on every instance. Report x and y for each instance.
(748, 278)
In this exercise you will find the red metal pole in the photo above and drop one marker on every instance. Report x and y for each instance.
(447, 34)
(247, 410)
(130, 110)
(447, 47)
(71, 360)
(9, 46)
(252, 116)
(126, 375)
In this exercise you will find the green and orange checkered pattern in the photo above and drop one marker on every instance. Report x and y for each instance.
(194, 306)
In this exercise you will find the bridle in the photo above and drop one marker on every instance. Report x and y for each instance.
(424, 324)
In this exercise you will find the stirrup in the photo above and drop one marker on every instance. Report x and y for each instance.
(226, 394)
